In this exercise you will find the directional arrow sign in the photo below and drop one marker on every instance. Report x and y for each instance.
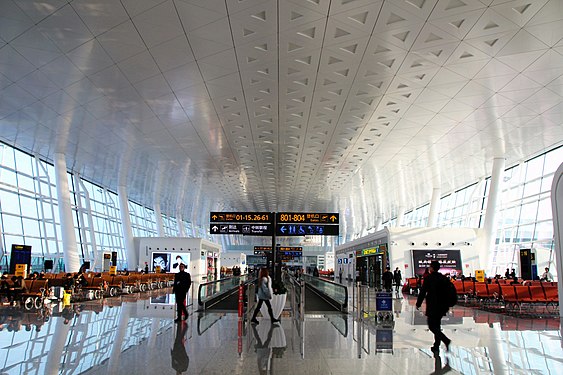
(304, 230)
(243, 229)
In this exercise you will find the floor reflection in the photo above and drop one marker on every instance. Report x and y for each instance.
(136, 334)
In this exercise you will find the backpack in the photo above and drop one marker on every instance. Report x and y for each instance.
(450, 293)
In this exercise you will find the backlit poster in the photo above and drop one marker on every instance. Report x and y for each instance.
(161, 260)
(180, 258)
(450, 261)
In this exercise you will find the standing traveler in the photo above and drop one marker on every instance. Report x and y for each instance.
(264, 295)
(434, 290)
(182, 283)
(398, 278)
(387, 279)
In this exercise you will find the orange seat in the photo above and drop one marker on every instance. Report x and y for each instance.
(459, 287)
(481, 290)
(508, 293)
(522, 293)
(536, 293)
(494, 290)
(551, 294)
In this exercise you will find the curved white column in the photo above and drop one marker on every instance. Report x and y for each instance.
(400, 216)
(557, 213)
(159, 221)
(181, 227)
(132, 260)
(490, 223)
(70, 249)
(434, 208)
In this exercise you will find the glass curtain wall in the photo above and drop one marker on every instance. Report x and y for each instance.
(524, 218)
(29, 214)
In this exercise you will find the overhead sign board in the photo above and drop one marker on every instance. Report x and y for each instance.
(307, 218)
(306, 230)
(262, 223)
(240, 217)
(244, 229)
(262, 248)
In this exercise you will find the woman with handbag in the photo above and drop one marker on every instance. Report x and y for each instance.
(264, 294)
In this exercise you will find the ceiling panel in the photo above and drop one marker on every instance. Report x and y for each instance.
(349, 105)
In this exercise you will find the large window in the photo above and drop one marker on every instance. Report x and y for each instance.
(524, 217)
(29, 214)
(28, 205)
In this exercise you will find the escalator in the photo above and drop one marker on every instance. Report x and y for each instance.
(314, 302)
(223, 294)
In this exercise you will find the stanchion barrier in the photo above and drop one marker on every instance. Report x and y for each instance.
(240, 299)
(302, 312)
(240, 334)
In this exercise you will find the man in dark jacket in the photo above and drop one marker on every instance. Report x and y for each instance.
(433, 290)
(182, 283)
(387, 279)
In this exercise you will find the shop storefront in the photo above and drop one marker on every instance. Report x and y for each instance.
(370, 265)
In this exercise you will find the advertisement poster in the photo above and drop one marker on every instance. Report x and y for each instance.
(180, 258)
(161, 260)
(450, 261)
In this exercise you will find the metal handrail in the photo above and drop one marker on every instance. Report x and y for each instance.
(233, 281)
(341, 302)
(297, 296)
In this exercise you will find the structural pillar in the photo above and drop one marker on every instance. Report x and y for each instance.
(159, 221)
(557, 214)
(70, 249)
(378, 222)
(434, 208)
(490, 223)
(181, 228)
(400, 216)
(132, 261)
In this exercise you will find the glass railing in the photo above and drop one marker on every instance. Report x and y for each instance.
(214, 289)
(336, 292)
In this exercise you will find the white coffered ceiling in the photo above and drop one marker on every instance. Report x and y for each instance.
(356, 106)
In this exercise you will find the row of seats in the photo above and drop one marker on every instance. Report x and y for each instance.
(89, 285)
(540, 292)
(527, 297)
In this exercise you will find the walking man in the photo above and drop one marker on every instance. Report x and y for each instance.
(433, 290)
(182, 283)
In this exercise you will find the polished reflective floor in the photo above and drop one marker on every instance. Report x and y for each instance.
(136, 335)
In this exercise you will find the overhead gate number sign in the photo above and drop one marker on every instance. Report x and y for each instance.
(304, 224)
(245, 223)
(262, 223)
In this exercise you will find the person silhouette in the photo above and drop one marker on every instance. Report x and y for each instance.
(438, 369)
(263, 350)
(180, 358)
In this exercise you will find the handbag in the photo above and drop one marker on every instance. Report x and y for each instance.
(266, 290)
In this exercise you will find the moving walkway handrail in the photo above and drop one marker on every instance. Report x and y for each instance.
(214, 289)
(335, 292)
(297, 300)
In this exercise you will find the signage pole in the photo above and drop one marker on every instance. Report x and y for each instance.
(274, 252)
